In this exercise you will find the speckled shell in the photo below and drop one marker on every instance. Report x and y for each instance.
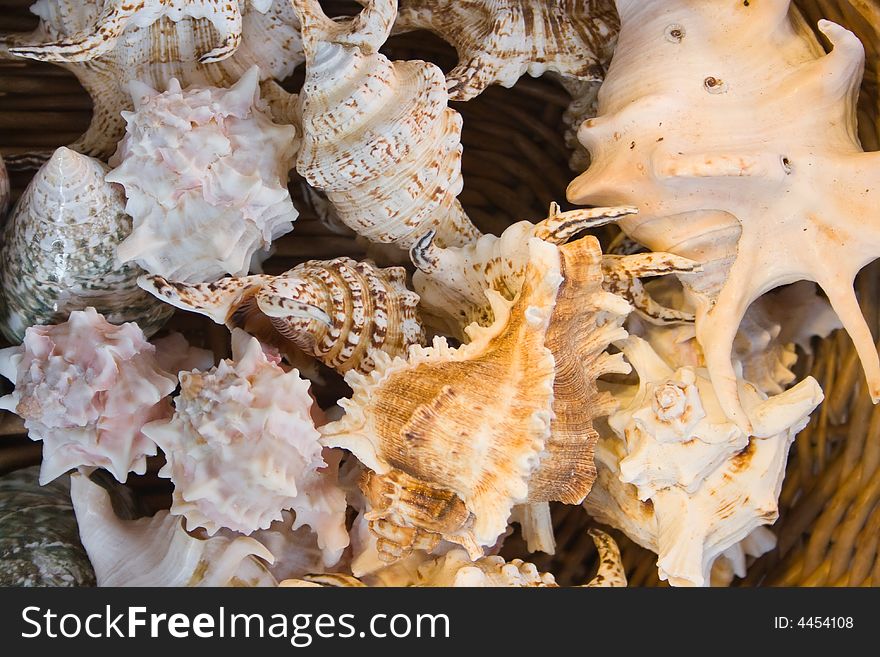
(461, 445)
(157, 551)
(735, 135)
(499, 40)
(340, 311)
(379, 138)
(59, 251)
(205, 174)
(708, 484)
(39, 541)
(155, 49)
(242, 447)
(86, 388)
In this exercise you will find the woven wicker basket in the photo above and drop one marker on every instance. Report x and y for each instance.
(829, 526)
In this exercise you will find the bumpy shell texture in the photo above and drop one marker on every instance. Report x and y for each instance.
(435, 435)
(242, 446)
(340, 311)
(153, 48)
(205, 174)
(59, 251)
(157, 551)
(709, 484)
(86, 388)
(735, 136)
(499, 40)
(379, 138)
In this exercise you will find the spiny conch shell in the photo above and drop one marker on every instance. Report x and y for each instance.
(4, 189)
(155, 51)
(499, 40)
(242, 446)
(449, 455)
(59, 251)
(157, 551)
(379, 138)
(745, 158)
(86, 388)
(340, 311)
(709, 484)
(205, 173)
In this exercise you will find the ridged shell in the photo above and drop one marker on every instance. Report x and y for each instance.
(736, 137)
(499, 40)
(157, 551)
(242, 447)
(679, 477)
(340, 311)
(205, 174)
(59, 251)
(458, 442)
(155, 49)
(379, 137)
(86, 388)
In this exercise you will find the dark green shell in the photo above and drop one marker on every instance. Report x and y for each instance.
(39, 538)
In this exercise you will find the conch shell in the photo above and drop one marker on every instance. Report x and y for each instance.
(340, 311)
(499, 40)
(242, 447)
(745, 158)
(379, 138)
(86, 388)
(154, 48)
(680, 478)
(205, 173)
(157, 551)
(59, 251)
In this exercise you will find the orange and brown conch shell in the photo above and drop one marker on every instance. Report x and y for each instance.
(340, 311)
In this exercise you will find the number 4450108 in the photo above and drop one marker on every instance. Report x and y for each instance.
(813, 622)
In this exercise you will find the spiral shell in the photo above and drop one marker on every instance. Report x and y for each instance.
(340, 311)
(59, 251)
(379, 138)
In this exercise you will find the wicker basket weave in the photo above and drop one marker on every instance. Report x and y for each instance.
(829, 526)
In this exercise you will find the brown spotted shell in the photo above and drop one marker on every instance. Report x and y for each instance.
(340, 311)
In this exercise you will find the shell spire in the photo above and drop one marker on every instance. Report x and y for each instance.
(59, 251)
(379, 137)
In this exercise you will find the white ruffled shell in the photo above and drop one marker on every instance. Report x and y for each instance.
(205, 173)
(86, 388)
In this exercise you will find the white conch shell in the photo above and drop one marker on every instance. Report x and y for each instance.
(379, 138)
(157, 551)
(86, 388)
(339, 311)
(451, 456)
(499, 40)
(708, 484)
(173, 46)
(205, 173)
(4, 188)
(59, 251)
(736, 137)
(242, 446)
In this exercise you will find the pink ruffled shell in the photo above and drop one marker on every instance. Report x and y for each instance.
(86, 388)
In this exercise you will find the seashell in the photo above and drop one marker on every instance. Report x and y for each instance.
(451, 456)
(379, 138)
(4, 188)
(497, 41)
(157, 551)
(242, 447)
(681, 479)
(154, 49)
(340, 311)
(676, 136)
(86, 388)
(59, 251)
(39, 541)
(205, 173)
